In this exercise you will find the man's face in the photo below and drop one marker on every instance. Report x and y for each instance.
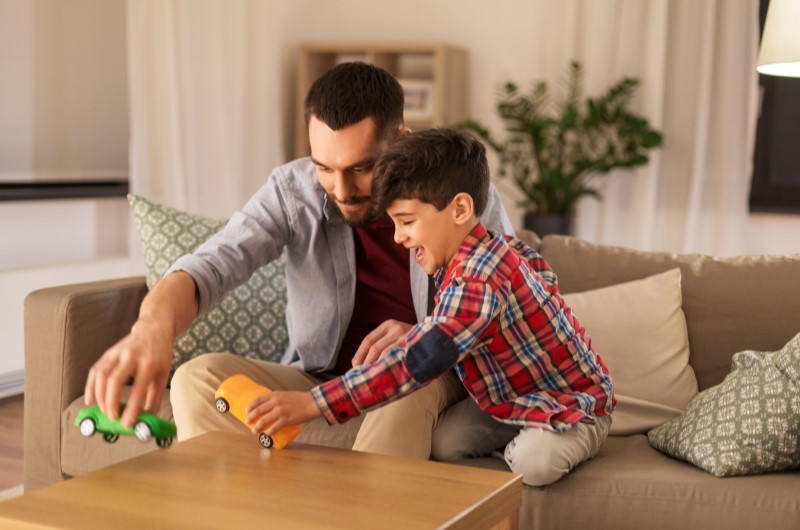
(434, 236)
(344, 160)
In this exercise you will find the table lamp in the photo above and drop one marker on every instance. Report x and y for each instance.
(780, 44)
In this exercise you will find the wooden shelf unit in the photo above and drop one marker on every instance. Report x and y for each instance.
(441, 67)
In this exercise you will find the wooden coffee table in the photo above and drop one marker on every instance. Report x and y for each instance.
(226, 480)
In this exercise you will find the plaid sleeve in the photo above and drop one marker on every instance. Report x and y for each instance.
(432, 347)
(464, 313)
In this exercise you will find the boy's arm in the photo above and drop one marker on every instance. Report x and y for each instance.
(465, 313)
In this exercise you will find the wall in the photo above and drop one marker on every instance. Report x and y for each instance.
(63, 99)
(63, 116)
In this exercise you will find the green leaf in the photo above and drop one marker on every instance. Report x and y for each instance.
(550, 148)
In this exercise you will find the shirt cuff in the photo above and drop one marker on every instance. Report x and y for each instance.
(334, 400)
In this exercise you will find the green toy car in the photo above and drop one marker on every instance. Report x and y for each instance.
(147, 426)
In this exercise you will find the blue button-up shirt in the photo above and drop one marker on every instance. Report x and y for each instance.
(291, 213)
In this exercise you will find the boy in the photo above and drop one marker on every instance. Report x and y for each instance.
(498, 321)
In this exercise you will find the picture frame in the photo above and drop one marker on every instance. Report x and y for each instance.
(418, 99)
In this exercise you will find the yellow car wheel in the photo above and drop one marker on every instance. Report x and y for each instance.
(222, 405)
(265, 440)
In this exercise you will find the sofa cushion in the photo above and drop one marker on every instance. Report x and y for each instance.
(639, 331)
(729, 303)
(630, 485)
(249, 321)
(748, 424)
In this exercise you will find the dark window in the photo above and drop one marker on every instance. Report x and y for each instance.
(776, 161)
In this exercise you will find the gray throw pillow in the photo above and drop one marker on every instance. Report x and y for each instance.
(748, 424)
(249, 321)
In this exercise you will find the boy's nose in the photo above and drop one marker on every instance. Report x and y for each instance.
(398, 236)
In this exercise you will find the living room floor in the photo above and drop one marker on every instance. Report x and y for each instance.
(10, 442)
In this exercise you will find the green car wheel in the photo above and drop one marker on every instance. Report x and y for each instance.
(142, 431)
(88, 427)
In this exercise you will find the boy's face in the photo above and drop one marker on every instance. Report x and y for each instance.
(434, 236)
(344, 161)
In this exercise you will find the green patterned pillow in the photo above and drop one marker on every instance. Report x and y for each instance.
(748, 424)
(249, 321)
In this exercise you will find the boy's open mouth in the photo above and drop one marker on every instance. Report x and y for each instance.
(419, 253)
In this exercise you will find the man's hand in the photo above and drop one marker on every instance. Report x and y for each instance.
(144, 355)
(279, 409)
(377, 343)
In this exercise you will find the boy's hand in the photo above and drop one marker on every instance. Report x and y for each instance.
(377, 343)
(283, 408)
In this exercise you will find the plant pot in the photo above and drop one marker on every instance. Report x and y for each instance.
(544, 224)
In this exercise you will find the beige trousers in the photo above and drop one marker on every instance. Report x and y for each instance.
(540, 456)
(402, 428)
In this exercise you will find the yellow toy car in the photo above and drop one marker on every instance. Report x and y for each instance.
(238, 391)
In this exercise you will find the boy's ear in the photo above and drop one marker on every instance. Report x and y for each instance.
(463, 208)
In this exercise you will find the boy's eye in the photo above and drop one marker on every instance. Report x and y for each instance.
(406, 223)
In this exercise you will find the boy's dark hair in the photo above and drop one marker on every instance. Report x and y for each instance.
(351, 92)
(432, 165)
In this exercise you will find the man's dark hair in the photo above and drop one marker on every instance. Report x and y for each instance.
(432, 165)
(351, 92)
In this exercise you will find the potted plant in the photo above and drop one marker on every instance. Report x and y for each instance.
(556, 151)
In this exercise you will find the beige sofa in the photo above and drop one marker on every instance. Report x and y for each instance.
(729, 305)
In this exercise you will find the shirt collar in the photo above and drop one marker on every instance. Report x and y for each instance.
(329, 209)
(472, 240)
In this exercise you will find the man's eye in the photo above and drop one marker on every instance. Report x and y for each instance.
(322, 169)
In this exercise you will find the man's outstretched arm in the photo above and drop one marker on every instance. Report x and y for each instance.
(145, 354)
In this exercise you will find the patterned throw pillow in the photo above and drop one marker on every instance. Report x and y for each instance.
(748, 424)
(249, 321)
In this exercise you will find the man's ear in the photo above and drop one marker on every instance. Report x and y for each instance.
(463, 208)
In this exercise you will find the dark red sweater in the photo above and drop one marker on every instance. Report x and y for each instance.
(383, 287)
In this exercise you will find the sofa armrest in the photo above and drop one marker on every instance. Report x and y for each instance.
(67, 328)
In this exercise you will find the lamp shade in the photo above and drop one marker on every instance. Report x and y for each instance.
(780, 42)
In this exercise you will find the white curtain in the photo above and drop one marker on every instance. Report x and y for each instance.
(695, 60)
(204, 133)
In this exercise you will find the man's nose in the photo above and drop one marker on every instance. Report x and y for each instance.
(343, 187)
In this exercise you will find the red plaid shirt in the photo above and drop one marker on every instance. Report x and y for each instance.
(513, 341)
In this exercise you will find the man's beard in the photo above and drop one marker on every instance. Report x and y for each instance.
(356, 220)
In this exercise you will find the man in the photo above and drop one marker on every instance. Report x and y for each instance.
(349, 294)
